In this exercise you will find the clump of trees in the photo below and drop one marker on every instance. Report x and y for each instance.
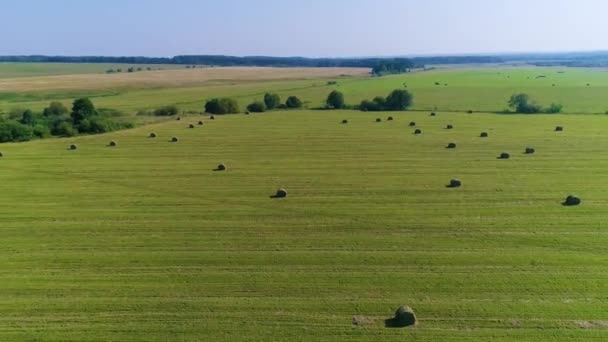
(523, 104)
(397, 100)
(272, 101)
(335, 100)
(222, 105)
(293, 102)
(58, 120)
(392, 66)
(257, 107)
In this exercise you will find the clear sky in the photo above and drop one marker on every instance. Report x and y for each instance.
(300, 27)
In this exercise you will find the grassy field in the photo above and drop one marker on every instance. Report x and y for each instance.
(477, 89)
(17, 70)
(144, 242)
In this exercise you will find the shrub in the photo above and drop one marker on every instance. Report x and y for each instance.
(64, 129)
(82, 109)
(222, 106)
(335, 100)
(41, 131)
(55, 109)
(256, 107)
(293, 102)
(554, 108)
(14, 131)
(167, 111)
(399, 99)
(271, 100)
(523, 104)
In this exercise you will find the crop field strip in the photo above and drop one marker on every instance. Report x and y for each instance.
(144, 242)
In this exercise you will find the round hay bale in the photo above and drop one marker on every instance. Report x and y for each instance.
(73, 147)
(449, 127)
(412, 124)
(451, 145)
(390, 118)
(212, 117)
(530, 150)
(404, 317)
(504, 155)
(378, 120)
(559, 129)
(572, 200)
(221, 167)
(344, 121)
(174, 139)
(281, 193)
(418, 131)
(455, 183)
(190, 126)
(200, 123)
(152, 135)
(112, 144)
(433, 114)
(483, 135)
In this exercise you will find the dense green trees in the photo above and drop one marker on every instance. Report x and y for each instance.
(57, 120)
(522, 104)
(293, 102)
(257, 107)
(272, 101)
(82, 109)
(335, 100)
(222, 106)
(397, 100)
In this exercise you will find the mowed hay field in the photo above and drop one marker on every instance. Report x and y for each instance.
(580, 91)
(15, 70)
(144, 242)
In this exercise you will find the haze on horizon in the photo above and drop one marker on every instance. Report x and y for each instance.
(313, 28)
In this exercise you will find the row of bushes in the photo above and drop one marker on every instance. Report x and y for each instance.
(58, 120)
(397, 100)
(522, 104)
(271, 101)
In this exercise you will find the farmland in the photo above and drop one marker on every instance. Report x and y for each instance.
(581, 91)
(145, 242)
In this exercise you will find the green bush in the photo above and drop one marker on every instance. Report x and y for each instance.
(397, 100)
(335, 100)
(272, 101)
(257, 107)
(293, 102)
(55, 109)
(221, 106)
(11, 130)
(167, 111)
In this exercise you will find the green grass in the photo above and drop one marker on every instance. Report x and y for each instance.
(15, 70)
(480, 90)
(143, 242)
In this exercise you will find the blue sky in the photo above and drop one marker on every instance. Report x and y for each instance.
(300, 28)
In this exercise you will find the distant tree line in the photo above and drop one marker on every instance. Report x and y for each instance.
(562, 59)
(218, 61)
